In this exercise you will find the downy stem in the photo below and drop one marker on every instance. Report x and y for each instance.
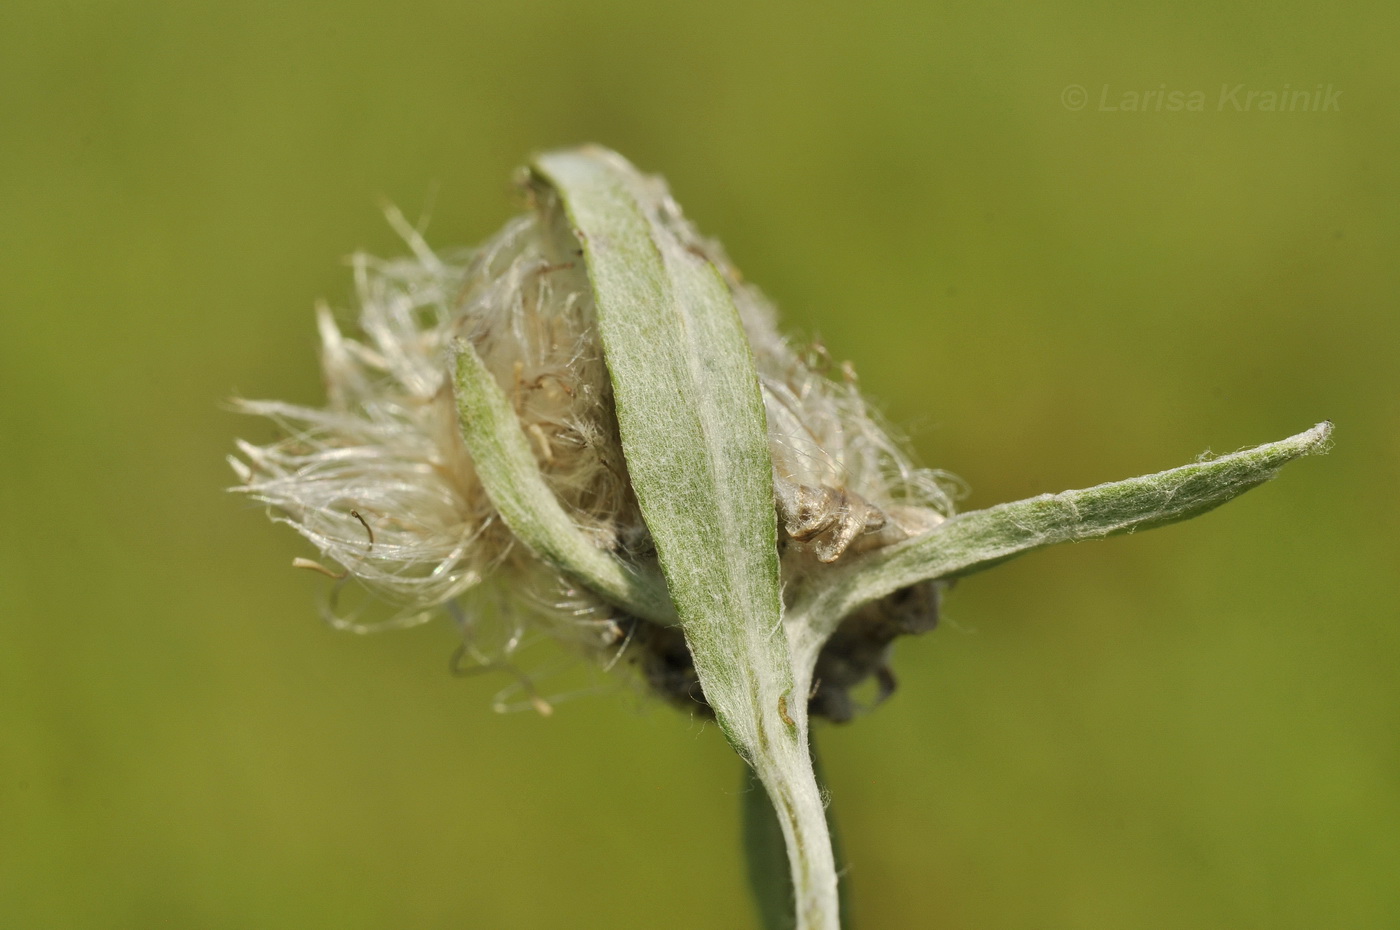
(766, 856)
(787, 775)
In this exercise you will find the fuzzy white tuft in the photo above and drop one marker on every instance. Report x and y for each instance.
(380, 481)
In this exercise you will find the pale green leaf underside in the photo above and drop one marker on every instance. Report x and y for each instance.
(511, 477)
(983, 538)
(690, 415)
(695, 439)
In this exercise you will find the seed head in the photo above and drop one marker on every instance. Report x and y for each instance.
(380, 481)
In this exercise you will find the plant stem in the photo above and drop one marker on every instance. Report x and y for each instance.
(795, 802)
(765, 855)
(770, 878)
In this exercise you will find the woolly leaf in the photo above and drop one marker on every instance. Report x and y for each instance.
(511, 477)
(983, 538)
(695, 440)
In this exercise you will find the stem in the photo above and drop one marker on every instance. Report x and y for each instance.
(769, 874)
(796, 803)
(765, 854)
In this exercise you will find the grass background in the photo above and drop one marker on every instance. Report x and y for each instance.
(1192, 728)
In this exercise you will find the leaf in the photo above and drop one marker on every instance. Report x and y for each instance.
(692, 423)
(695, 439)
(511, 476)
(983, 538)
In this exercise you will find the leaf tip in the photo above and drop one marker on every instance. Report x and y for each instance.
(1316, 441)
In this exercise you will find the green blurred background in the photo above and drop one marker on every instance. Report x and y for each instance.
(1194, 728)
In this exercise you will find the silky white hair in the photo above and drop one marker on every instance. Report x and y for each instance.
(380, 482)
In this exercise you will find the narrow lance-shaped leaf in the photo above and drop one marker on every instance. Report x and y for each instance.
(983, 538)
(511, 477)
(694, 436)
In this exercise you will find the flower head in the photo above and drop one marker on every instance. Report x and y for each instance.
(381, 482)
